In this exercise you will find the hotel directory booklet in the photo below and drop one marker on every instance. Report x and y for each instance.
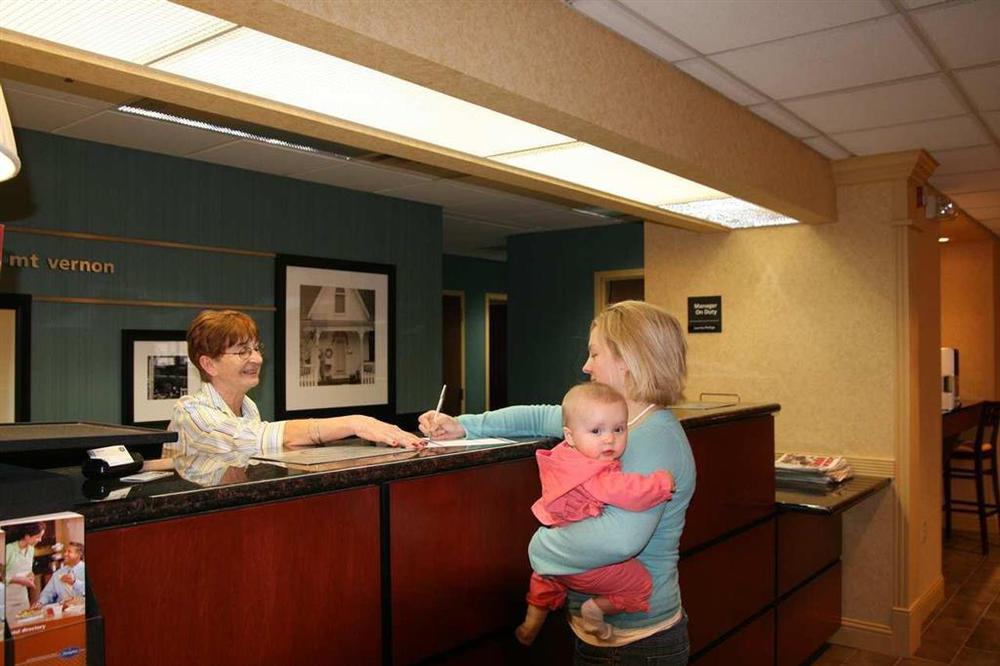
(46, 623)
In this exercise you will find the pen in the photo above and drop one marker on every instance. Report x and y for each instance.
(437, 410)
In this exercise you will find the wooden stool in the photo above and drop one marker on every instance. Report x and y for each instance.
(980, 451)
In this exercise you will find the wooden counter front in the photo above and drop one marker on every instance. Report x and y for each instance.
(292, 582)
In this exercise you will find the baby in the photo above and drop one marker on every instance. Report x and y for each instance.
(579, 477)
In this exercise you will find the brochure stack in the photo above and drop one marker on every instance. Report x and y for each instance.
(811, 471)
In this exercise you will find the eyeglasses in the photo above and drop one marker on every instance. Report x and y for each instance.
(246, 352)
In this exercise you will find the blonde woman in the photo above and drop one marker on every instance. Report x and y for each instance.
(639, 350)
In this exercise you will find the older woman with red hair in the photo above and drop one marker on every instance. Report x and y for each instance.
(224, 424)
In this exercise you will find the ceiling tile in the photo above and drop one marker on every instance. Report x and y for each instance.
(992, 119)
(982, 85)
(43, 113)
(825, 146)
(985, 213)
(964, 33)
(778, 116)
(973, 200)
(879, 106)
(993, 225)
(975, 181)
(915, 4)
(356, 175)
(713, 77)
(121, 129)
(854, 55)
(961, 160)
(262, 157)
(475, 237)
(728, 24)
(929, 135)
(562, 218)
(58, 95)
(634, 28)
(502, 208)
(442, 193)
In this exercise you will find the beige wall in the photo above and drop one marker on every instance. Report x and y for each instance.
(838, 324)
(970, 288)
(808, 320)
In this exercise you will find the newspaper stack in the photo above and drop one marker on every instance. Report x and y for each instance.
(805, 470)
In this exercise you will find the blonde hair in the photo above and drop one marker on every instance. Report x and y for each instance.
(573, 401)
(651, 343)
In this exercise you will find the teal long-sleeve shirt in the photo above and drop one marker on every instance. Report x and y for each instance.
(658, 443)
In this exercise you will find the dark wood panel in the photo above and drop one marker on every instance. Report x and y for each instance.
(728, 582)
(806, 544)
(809, 617)
(459, 554)
(292, 582)
(753, 643)
(735, 478)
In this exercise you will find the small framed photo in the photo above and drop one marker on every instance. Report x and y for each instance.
(156, 371)
(334, 338)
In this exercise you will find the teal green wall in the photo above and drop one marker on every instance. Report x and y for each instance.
(550, 290)
(475, 278)
(73, 185)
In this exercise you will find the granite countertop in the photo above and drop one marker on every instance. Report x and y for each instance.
(831, 501)
(114, 503)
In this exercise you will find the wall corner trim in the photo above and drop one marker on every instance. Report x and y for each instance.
(915, 164)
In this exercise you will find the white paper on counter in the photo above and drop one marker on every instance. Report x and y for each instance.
(485, 441)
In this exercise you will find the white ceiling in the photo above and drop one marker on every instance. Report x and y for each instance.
(848, 77)
(851, 77)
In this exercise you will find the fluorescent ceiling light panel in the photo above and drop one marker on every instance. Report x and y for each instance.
(299, 76)
(138, 31)
(604, 171)
(730, 212)
(211, 127)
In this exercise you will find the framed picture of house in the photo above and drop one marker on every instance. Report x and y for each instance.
(156, 371)
(15, 358)
(334, 333)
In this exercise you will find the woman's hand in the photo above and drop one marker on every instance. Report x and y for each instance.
(27, 580)
(374, 430)
(440, 426)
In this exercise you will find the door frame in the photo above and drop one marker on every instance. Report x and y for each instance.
(603, 278)
(491, 297)
(461, 304)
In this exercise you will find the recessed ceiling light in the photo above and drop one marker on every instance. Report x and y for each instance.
(730, 212)
(943, 239)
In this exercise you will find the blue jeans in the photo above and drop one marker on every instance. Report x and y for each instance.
(667, 648)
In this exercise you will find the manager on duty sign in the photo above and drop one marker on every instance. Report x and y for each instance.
(704, 314)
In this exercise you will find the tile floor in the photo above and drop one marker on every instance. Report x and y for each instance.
(965, 629)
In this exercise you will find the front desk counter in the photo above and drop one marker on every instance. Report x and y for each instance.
(419, 557)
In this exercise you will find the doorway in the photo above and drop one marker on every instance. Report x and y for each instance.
(496, 351)
(615, 286)
(453, 351)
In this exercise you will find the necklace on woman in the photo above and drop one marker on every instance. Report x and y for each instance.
(640, 414)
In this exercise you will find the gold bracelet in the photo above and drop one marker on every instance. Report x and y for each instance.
(314, 432)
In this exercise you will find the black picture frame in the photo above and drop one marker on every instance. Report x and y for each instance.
(20, 304)
(335, 338)
(148, 397)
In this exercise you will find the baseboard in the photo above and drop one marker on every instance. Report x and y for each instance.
(864, 635)
(902, 637)
(908, 623)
